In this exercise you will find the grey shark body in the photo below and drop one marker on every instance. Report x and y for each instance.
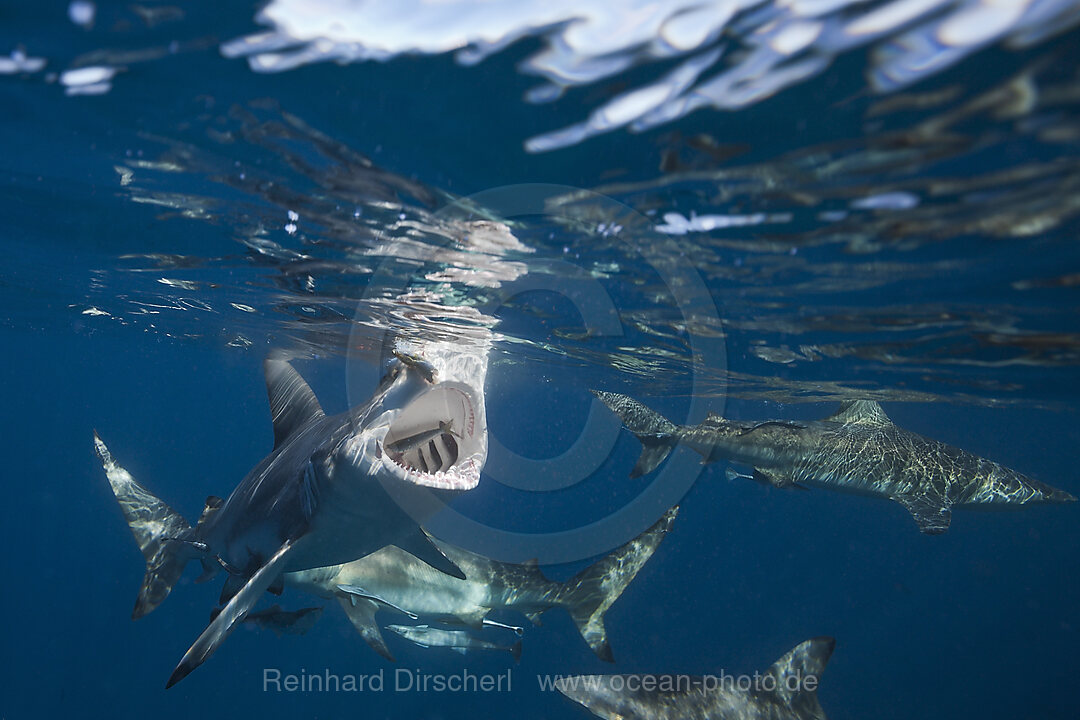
(320, 497)
(396, 581)
(284, 622)
(858, 449)
(459, 640)
(786, 691)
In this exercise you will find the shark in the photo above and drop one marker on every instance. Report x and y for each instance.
(786, 691)
(283, 622)
(458, 640)
(323, 496)
(857, 449)
(396, 581)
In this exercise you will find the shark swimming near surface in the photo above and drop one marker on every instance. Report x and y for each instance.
(393, 580)
(319, 498)
(786, 691)
(858, 449)
(458, 640)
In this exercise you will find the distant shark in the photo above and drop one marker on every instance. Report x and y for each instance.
(458, 640)
(394, 580)
(786, 691)
(319, 498)
(283, 622)
(857, 449)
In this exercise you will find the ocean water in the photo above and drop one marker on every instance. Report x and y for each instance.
(758, 214)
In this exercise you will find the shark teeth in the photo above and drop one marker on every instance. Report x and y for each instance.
(461, 476)
(436, 463)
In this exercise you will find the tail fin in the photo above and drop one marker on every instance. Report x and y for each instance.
(792, 671)
(161, 533)
(657, 434)
(589, 594)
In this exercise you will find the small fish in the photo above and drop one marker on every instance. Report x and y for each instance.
(420, 438)
(414, 362)
(457, 640)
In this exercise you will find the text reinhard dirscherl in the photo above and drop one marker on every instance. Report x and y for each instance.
(401, 680)
(409, 680)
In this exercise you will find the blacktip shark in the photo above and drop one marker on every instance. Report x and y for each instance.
(458, 640)
(858, 449)
(394, 580)
(321, 497)
(786, 691)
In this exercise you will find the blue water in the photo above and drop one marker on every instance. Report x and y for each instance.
(965, 330)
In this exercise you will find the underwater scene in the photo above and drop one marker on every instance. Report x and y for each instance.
(633, 359)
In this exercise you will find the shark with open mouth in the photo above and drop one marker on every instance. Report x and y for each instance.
(326, 494)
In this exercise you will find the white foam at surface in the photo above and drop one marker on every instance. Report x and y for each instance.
(677, 224)
(18, 62)
(82, 12)
(779, 43)
(898, 200)
(93, 75)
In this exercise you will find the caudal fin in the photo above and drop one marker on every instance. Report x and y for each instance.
(657, 434)
(161, 533)
(797, 675)
(589, 594)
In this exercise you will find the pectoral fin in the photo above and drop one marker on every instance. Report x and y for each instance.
(231, 615)
(361, 614)
(519, 631)
(423, 549)
(768, 478)
(930, 514)
(356, 593)
(474, 619)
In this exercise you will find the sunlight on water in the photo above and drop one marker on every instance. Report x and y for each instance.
(730, 53)
(854, 224)
(865, 223)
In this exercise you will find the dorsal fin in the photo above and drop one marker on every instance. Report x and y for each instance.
(791, 672)
(866, 412)
(292, 403)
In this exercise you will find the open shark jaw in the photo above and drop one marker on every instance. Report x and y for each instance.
(435, 440)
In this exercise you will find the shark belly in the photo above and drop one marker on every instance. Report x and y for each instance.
(401, 579)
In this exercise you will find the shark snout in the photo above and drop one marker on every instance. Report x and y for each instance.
(1060, 496)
